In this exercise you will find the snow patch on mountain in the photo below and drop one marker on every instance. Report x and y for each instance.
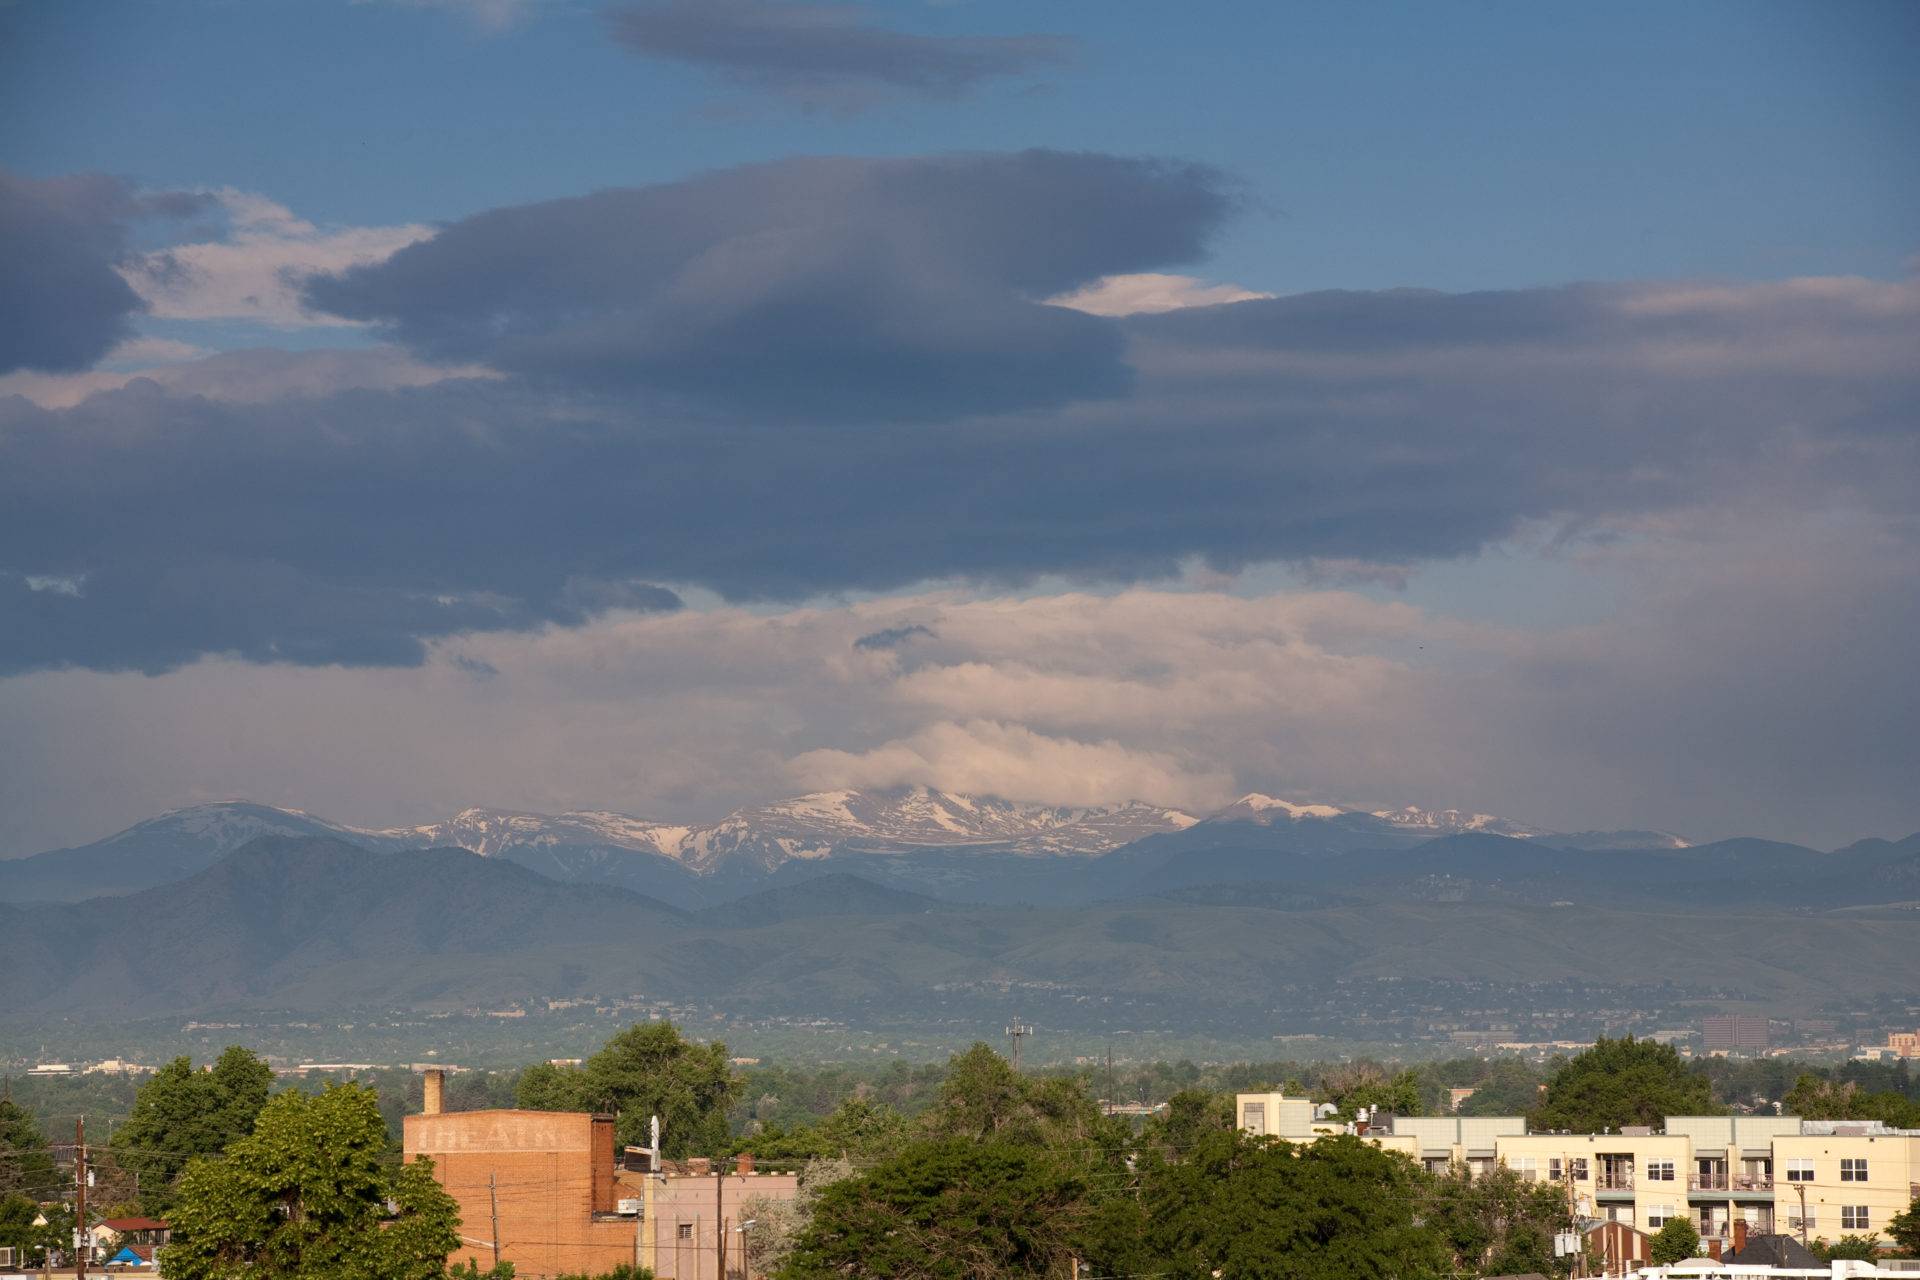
(1453, 822)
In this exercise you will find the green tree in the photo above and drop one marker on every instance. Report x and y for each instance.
(1622, 1082)
(1813, 1098)
(952, 1209)
(645, 1071)
(182, 1113)
(1351, 1086)
(1244, 1206)
(1859, 1248)
(17, 1230)
(1497, 1224)
(1904, 1227)
(1675, 1242)
(984, 1099)
(26, 1162)
(306, 1195)
(1189, 1114)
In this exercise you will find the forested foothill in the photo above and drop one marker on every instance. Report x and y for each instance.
(906, 1170)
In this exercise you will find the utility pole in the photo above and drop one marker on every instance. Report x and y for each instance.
(80, 1196)
(1801, 1187)
(493, 1196)
(1017, 1030)
(720, 1214)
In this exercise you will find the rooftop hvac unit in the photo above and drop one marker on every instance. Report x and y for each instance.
(627, 1208)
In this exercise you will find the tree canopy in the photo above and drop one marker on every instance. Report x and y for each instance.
(1904, 1227)
(1813, 1098)
(26, 1161)
(1245, 1206)
(951, 1209)
(1495, 1223)
(1622, 1082)
(644, 1071)
(1675, 1242)
(182, 1113)
(306, 1195)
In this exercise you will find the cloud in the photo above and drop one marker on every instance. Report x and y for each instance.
(1149, 292)
(255, 272)
(825, 56)
(258, 376)
(491, 15)
(1015, 763)
(1348, 433)
(891, 637)
(1710, 702)
(62, 306)
(807, 289)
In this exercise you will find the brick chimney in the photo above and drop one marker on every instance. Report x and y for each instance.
(1739, 1234)
(1713, 1250)
(436, 1091)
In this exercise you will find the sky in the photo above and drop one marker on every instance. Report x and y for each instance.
(666, 405)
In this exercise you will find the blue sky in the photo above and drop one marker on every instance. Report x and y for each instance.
(897, 315)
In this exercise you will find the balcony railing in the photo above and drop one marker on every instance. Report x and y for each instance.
(1721, 1182)
(1614, 1182)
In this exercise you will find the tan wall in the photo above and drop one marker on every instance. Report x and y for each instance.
(1893, 1173)
(548, 1172)
(698, 1203)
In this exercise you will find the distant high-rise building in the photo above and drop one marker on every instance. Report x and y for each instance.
(1731, 1031)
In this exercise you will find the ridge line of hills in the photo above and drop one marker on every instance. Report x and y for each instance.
(914, 839)
(313, 922)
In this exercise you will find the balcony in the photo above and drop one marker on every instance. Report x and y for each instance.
(1613, 1182)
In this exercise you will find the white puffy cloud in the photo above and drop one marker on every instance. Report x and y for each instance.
(1148, 292)
(255, 272)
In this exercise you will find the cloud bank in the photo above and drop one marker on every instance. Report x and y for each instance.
(824, 56)
(807, 289)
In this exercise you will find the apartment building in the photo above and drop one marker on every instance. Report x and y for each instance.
(1769, 1173)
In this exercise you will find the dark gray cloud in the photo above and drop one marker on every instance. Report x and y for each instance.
(824, 56)
(62, 305)
(807, 289)
(891, 637)
(1389, 427)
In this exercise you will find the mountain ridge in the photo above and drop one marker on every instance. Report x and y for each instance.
(913, 839)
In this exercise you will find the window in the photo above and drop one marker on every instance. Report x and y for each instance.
(1620, 1213)
(1799, 1171)
(685, 1229)
(1528, 1167)
(1253, 1118)
(1795, 1222)
(1657, 1215)
(1579, 1167)
(1853, 1170)
(1659, 1170)
(1853, 1217)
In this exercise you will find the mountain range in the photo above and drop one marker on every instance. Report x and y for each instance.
(921, 840)
(309, 923)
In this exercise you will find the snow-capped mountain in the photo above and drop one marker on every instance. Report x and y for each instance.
(1453, 822)
(915, 837)
(812, 826)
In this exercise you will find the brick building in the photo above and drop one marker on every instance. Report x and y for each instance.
(550, 1189)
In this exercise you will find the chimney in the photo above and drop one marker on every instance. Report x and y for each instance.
(436, 1091)
(1713, 1250)
(1739, 1233)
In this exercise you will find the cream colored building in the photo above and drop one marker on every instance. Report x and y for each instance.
(1851, 1176)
